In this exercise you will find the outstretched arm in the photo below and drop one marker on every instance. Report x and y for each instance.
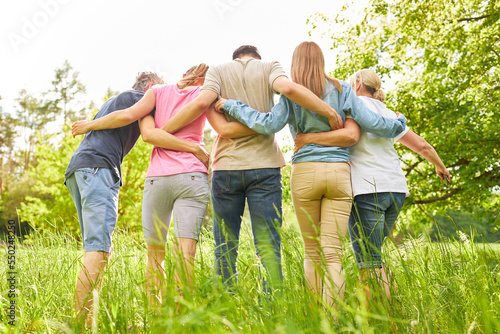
(157, 137)
(190, 111)
(117, 118)
(419, 145)
(345, 137)
(225, 128)
(307, 99)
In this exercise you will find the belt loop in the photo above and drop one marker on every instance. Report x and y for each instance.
(95, 170)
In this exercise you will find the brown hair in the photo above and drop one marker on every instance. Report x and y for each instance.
(370, 81)
(191, 70)
(308, 68)
(246, 49)
(193, 75)
(143, 79)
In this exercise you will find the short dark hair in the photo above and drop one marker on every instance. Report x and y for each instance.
(246, 49)
(143, 79)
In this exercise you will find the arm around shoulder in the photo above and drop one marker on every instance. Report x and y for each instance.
(190, 111)
(118, 118)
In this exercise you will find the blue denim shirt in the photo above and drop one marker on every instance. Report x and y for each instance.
(302, 120)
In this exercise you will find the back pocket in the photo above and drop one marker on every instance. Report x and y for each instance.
(220, 182)
(302, 182)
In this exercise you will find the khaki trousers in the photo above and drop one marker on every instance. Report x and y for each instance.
(322, 200)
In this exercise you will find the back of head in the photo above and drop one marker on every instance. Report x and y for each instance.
(246, 50)
(193, 76)
(144, 79)
(191, 70)
(308, 68)
(371, 83)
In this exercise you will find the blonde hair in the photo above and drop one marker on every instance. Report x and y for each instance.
(308, 68)
(193, 75)
(370, 81)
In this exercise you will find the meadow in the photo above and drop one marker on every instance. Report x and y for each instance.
(447, 287)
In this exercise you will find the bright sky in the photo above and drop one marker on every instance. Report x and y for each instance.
(108, 42)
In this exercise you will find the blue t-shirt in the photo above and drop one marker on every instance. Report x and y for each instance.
(107, 148)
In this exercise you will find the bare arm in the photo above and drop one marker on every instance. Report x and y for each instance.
(419, 145)
(307, 99)
(157, 137)
(117, 118)
(190, 111)
(345, 137)
(225, 128)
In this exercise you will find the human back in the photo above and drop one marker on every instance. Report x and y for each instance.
(251, 81)
(302, 120)
(375, 165)
(107, 148)
(308, 69)
(169, 100)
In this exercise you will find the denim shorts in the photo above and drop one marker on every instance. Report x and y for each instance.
(372, 218)
(95, 194)
(185, 195)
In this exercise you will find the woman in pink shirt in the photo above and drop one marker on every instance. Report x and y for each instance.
(176, 183)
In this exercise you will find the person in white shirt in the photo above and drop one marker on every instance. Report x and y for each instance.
(378, 182)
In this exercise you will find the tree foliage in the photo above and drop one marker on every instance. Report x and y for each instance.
(444, 59)
(50, 205)
(32, 118)
(66, 87)
(7, 138)
(457, 223)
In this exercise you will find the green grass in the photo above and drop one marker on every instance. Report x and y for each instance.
(439, 288)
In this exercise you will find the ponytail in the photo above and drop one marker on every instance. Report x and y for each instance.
(379, 95)
(192, 78)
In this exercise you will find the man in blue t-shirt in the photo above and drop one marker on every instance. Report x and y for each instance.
(93, 178)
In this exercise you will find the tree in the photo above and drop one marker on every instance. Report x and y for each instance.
(32, 118)
(50, 205)
(7, 136)
(444, 58)
(457, 222)
(66, 86)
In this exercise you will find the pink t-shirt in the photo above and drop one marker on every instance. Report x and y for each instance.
(169, 100)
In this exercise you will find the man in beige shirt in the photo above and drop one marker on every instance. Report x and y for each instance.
(246, 165)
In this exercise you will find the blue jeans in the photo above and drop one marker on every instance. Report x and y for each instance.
(262, 190)
(372, 218)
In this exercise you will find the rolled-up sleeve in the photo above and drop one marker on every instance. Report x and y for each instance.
(265, 123)
(370, 121)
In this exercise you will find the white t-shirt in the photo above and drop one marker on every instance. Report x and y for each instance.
(375, 165)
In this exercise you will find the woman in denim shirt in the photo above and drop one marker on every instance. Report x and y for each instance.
(320, 183)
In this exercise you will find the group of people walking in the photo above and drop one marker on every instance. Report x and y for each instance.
(336, 187)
